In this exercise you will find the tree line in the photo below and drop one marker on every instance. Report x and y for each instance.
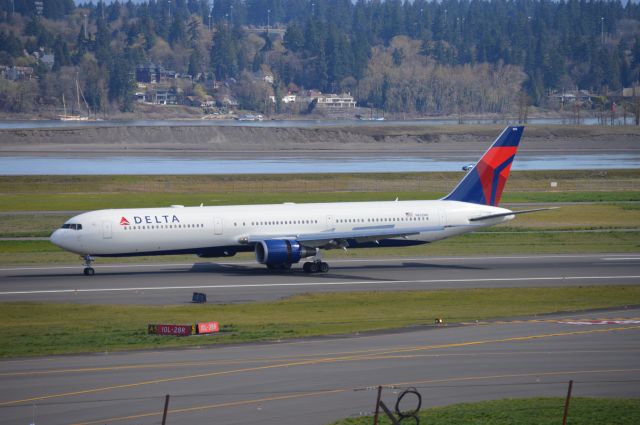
(399, 56)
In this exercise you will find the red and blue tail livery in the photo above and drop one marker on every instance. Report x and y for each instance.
(485, 182)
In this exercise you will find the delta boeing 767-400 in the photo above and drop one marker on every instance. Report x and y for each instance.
(284, 234)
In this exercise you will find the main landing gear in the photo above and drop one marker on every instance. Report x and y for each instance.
(317, 265)
(88, 270)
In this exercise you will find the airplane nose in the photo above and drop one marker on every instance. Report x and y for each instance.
(56, 237)
(62, 239)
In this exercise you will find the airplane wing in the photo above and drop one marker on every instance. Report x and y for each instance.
(333, 238)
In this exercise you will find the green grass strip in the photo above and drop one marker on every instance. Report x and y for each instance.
(24, 252)
(95, 201)
(28, 329)
(531, 411)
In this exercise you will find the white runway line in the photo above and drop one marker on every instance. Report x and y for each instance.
(621, 259)
(306, 284)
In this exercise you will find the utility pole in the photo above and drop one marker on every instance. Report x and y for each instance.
(85, 26)
(268, 20)
(602, 29)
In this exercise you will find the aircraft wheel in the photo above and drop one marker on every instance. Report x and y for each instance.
(306, 267)
(314, 267)
(286, 266)
(324, 267)
(89, 271)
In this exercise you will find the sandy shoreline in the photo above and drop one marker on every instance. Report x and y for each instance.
(252, 142)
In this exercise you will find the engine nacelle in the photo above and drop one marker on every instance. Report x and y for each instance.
(281, 251)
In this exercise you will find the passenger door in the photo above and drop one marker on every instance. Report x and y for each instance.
(217, 226)
(106, 230)
(329, 222)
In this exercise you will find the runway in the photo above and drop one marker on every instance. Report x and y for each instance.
(321, 380)
(237, 282)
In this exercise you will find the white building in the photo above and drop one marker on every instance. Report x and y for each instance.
(344, 100)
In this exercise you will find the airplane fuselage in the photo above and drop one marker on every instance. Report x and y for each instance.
(223, 231)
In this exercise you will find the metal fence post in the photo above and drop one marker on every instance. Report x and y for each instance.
(166, 408)
(566, 404)
(375, 416)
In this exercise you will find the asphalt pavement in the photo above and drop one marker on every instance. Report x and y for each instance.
(317, 381)
(238, 282)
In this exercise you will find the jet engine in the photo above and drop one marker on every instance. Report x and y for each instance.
(281, 251)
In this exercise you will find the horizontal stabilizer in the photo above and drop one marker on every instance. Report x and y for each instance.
(490, 216)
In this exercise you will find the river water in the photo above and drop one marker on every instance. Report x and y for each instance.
(156, 165)
(118, 165)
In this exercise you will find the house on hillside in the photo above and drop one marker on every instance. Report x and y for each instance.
(151, 73)
(166, 96)
(48, 59)
(344, 100)
(16, 73)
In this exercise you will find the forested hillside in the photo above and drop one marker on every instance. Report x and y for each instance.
(454, 56)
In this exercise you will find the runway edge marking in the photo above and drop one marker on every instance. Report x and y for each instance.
(304, 284)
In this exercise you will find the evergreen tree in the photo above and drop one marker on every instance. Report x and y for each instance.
(57, 9)
(102, 50)
(224, 56)
(121, 85)
(10, 44)
(61, 54)
(294, 38)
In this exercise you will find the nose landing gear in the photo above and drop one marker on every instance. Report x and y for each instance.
(88, 270)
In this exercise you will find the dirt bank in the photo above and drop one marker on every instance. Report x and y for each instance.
(220, 140)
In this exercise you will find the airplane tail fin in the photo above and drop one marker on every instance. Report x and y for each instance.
(486, 180)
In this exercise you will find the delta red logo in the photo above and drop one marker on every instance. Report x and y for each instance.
(124, 221)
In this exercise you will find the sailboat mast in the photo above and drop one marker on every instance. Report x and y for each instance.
(77, 96)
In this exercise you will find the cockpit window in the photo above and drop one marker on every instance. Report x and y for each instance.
(72, 226)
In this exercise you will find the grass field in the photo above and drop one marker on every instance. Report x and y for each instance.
(28, 329)
(607, 211)
(532, 411)
(490, 243)
(65, 193)
(569, 217)
(92, 201)
(519, 181)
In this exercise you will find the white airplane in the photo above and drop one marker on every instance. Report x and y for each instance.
(283, 234)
